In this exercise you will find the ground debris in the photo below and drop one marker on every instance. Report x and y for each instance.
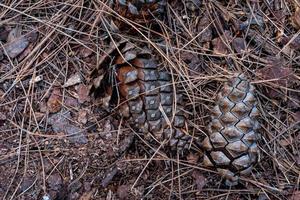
(296, 18)
(277, 72)
(56, 189)
(17, 43)
(57, 141)
(61, 122)
(73, 80)
(295, 196)
(221, 44)
(277, 75)
(111, 173)
(54, 101)
(200, 180)
(82, 93)
(239, 45)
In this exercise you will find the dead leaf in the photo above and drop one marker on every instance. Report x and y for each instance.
(26, 52)
(55, 186)
(84, 52)
(39, 115)
(3, 33)
(220, 44)
(55, 181)
(87, 195)
(71, 102)
(14, 34)
(26, 183)
(239, 44)
(296, 18)
(285, 142)
(194, 63)
(54, 101)
(2, 119)
(83, 93)
(14, 48)
(253, 20)
(82, 116)
(200, 180)
(192, 158)
(295, 195)
(60, 123)
(296, 116)
(275, 72)
(204, 27)
(123, 191)
(293, 42)
(263, 42)
(298, 160)
(109, 175)
(73, 80)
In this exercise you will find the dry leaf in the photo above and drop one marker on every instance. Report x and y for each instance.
(73, 80)
(192, 158)
(3, 33)
(60, 123)
(83, 93)
(220, 44)
(87, 195)
(123, 191)
(293, 43)
(85, 52)
(298, 160)
(205, 29)
(54, 101)
(82, 116)
(200, 180)
(296, 116)
(296, 18)
(14, 48)
(14, 34)
(71, 102)
(239, 44)
(276, 72)
(109, 175)
(285, 142)
(295, 195)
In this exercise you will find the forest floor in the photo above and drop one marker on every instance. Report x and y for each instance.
(57, 141)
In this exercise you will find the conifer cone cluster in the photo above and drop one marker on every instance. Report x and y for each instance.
(231, 145)
(139, 11)
(148, 101)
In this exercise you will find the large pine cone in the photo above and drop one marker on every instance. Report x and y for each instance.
(147, 98)
(140, 11)
(231, 145)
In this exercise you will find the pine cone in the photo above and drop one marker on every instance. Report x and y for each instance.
(140, 11)
(148, 101)
(231, 145)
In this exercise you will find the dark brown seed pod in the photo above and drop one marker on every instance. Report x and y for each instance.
(231, 145)
(139, 11)
(147, 99)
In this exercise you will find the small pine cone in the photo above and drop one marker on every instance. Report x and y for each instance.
(140, 11)
(146, 97)
(231, 145)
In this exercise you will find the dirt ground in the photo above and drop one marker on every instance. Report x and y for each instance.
(58, 140)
